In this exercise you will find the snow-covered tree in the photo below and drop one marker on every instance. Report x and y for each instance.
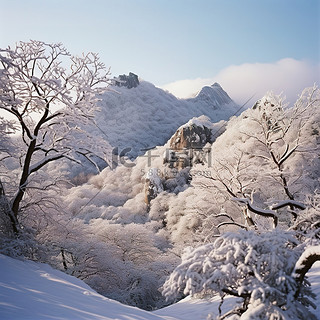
(144, 265)
(281, 132)
(122, 262)
(49, 94)
(260, 269)
(307, 225)
(265, 164)
(260, 161)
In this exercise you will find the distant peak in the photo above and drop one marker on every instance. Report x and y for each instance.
(214, 95)
(216, 85)
(129, 81)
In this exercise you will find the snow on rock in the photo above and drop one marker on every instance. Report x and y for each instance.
(203, 121)
(190, 139)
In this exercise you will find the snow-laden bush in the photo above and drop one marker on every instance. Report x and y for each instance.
(307, 224)
(127, 263)
(258, 268)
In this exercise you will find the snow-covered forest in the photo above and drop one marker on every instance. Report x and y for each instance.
(150, 199)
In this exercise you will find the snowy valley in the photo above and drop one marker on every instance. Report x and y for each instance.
(159, 203)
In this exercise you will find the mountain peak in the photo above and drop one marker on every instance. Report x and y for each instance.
(214, 95)
(216, 85)
(129, 81)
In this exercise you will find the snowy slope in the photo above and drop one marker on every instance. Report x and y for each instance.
(147, 116)
(30, 290)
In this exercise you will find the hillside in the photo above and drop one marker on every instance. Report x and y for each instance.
(30, 290)
(146, 116)
(135, 119)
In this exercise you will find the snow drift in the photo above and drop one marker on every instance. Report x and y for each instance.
(35, 291)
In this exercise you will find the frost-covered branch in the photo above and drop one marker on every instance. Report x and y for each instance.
(304, 264)
(233, 223)
(262, 212)
(291, 203)
(49, 100)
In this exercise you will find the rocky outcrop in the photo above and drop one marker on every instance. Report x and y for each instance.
(191, 143)
(130, 81)
(190, 137)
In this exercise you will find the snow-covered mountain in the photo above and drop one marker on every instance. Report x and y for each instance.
(212, 95)
(135, 119)
(146, 116)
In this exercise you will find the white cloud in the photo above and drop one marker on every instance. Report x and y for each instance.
(287, 76)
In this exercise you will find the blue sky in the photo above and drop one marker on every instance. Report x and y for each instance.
(169, 41)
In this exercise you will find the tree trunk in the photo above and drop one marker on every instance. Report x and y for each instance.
(7, 210)
(23, 180)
